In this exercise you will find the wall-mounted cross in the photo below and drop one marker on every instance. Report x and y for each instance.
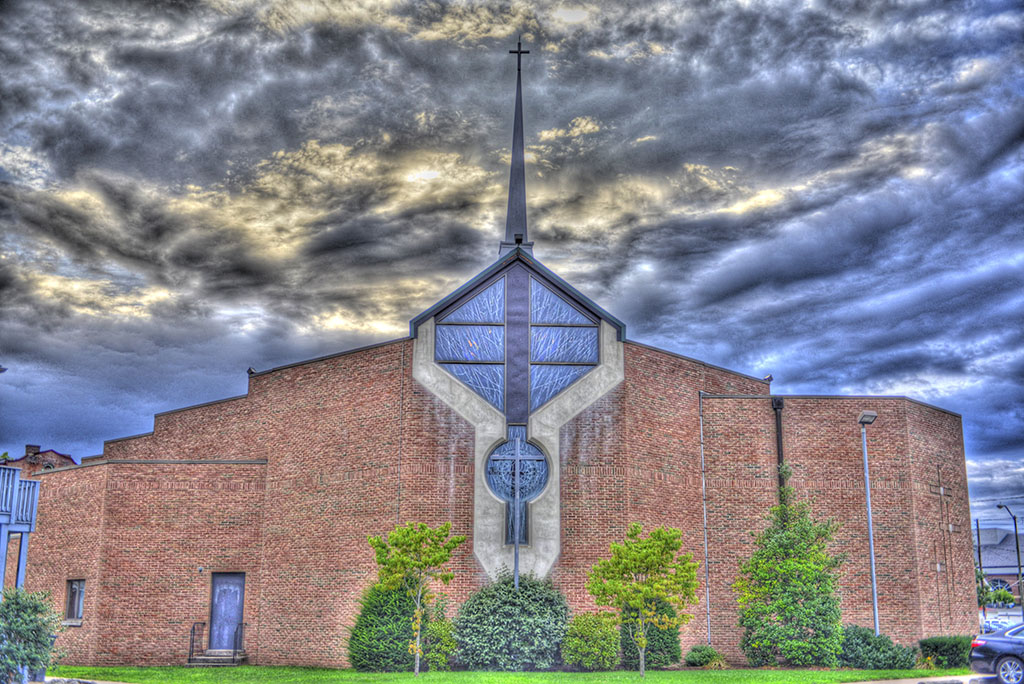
(519, 471)
(519, 52)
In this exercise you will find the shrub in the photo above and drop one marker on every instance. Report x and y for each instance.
(27, 625)
(947, 651)
(441, 645)
(440, 638)
(717, 663)
(592, 642)
(865, 651)
(662, 644)
(379, 641)
(701, 655)
(786, 590)
(499, 628)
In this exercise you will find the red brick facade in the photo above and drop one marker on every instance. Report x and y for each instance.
(285, 483)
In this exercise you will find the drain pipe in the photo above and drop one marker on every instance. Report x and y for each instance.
(704, 506)
(777, 405)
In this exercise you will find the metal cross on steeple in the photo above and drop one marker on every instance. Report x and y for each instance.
(519, 52)
(515, 219)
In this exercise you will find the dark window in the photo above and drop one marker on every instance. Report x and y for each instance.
(76, 596)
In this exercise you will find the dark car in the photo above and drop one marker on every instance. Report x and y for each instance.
(1000, 653)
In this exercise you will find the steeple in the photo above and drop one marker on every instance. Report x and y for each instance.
(515, 219)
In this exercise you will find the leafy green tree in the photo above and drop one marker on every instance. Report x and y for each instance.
(640, 572)
(789, 611)
(662, 644)
(413, 556)
(27, 625)
(986, 594)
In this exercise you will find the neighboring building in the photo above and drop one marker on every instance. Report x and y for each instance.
(999, 558)
(256, 508)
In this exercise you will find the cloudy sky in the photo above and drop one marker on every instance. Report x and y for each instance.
(830, 191)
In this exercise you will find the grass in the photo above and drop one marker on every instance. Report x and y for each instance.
(301, 675)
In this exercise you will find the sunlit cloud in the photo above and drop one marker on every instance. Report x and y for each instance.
(829, 196)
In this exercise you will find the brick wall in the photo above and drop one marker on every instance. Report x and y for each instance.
(286, 483)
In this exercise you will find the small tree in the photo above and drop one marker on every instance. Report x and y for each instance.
(640, 572)
(27, 625)
(786, 591)
(412, 556)
(986, 594)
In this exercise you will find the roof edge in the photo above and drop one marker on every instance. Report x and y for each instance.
(518, 254)
(703, 363)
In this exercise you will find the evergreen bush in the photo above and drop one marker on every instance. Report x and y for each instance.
(662, 644)
(701, 655)
(27, 625)
(865, 651)
(379, 641)
(592, 642)
(500, 628)
(947, 651)
(786, 590)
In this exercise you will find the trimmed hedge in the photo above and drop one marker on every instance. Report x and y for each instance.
(947, 651)
(662, 644)
(865, 651)
(499, 628)
(591, 642)
(379, 641)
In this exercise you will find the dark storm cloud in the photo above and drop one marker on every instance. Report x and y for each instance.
(827, 192)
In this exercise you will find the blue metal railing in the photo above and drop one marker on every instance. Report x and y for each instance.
(8, 476)
(28, 499)
(18, 500)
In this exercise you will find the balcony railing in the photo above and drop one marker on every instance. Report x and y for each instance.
(18, 500)
(28, 499)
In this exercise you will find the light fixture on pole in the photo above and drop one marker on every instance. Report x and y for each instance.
(1016, 539)
(867, 418)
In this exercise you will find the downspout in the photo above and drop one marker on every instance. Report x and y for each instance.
(704, 506)
(777, 405)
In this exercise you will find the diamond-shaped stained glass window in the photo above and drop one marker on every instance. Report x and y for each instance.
(565, 345)
(547, 381)
(487, 380)
(486, 307)
(547, 307)
(470, 343)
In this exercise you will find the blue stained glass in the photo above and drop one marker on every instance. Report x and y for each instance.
(547, 381)
(486, 307)
(547, 307)
(485, 379)
(573, 345)
(501, 477)
(470, 343)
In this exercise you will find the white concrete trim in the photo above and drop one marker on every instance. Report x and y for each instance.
(543, 429)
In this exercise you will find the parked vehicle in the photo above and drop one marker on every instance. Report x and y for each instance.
(995, 625)
(1000, 653)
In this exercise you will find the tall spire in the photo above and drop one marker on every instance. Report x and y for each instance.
(515, 219)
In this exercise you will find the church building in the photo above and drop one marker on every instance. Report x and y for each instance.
(519, 410)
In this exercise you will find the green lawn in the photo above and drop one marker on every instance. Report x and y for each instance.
(297, 675)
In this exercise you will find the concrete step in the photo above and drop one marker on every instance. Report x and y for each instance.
(216, 658)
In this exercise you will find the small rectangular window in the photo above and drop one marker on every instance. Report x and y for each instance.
(76, 597)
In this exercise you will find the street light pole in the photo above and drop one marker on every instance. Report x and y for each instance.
(867, 418)
(1016, 540)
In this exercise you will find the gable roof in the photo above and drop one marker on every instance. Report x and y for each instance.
(519, 255)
